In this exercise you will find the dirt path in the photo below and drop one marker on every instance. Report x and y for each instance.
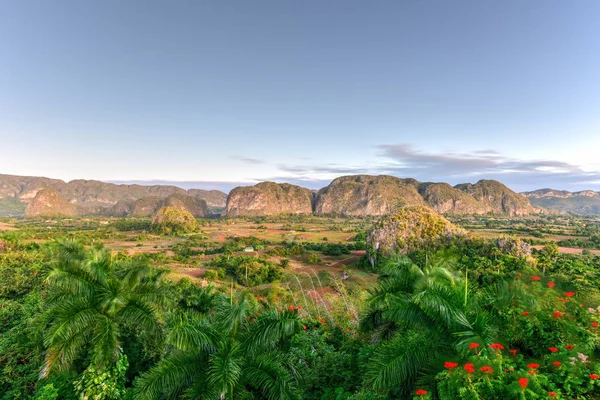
(569, 250)
(6, 227)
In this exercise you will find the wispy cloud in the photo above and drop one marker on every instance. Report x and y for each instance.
(404, 160)
(248, 160)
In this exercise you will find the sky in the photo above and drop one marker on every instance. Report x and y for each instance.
(214, 94)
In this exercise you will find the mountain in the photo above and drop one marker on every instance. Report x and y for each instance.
(93, 197)
(48, 202)
(268, 198)
(496, 198)
(380, 195)
(586, 202)
(355, 195)
(366, 195)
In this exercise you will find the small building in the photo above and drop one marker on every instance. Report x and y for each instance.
(249, 249)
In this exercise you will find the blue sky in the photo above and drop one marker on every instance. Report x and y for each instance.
(218, 93)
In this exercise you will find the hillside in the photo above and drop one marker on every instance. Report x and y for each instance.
(355, 195)
(92, 196)
(410, 228)
(380, 195)
(496, 198)
(268, 198)
(585, 202)
(360, 195)
(48, 202)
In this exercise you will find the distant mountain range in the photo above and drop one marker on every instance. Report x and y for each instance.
(586, 202)
(354, 195)
(31, 196)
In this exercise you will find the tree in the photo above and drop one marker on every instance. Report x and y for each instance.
(234, 352)
(92, 299)
(419, 316)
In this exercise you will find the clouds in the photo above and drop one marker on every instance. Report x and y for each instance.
(405, 160)
(248, 160)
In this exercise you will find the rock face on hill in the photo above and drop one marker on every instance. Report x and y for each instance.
(268, 198)
(586, 202)
(47, 202)
(410, 228)
(496, 198)
(213, 198)
(361, 195)
(94, 197)
(445, 199)
(148, 206)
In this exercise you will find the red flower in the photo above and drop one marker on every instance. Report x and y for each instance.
(421, 392)
(450, 365)
(557, 363)
(304, 327)
(557, 314)
(533, 366)
(594, 377)
(469, 368)
(569, 347)
(594, 324)
(525, 313)
(514, 352)
(487, 369)
(473, 346)
(563, 300)
(535, 278)
(551, 394)
(523, 382)
(497, 346)
(550, 285)
(553, 349)
(569, 294)
(519, 275)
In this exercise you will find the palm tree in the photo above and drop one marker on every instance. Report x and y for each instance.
(231, 353)
(419, 317)
(92, 298)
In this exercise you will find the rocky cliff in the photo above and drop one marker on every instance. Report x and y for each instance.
(47, 202)
(367, 195)
(380, 195)
(494, 197)
(586, 202)
(268, 198)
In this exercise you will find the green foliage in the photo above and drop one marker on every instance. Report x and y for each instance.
(92, 299)
(248, 271)
(107, 383)
(172, 221)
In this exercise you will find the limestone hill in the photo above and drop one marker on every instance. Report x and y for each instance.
(366, 195)
(379, 195)
(268, 198)
(47, 202)
(410, 228)
(586, 202)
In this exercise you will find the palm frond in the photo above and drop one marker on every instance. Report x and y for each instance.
(171, 376)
